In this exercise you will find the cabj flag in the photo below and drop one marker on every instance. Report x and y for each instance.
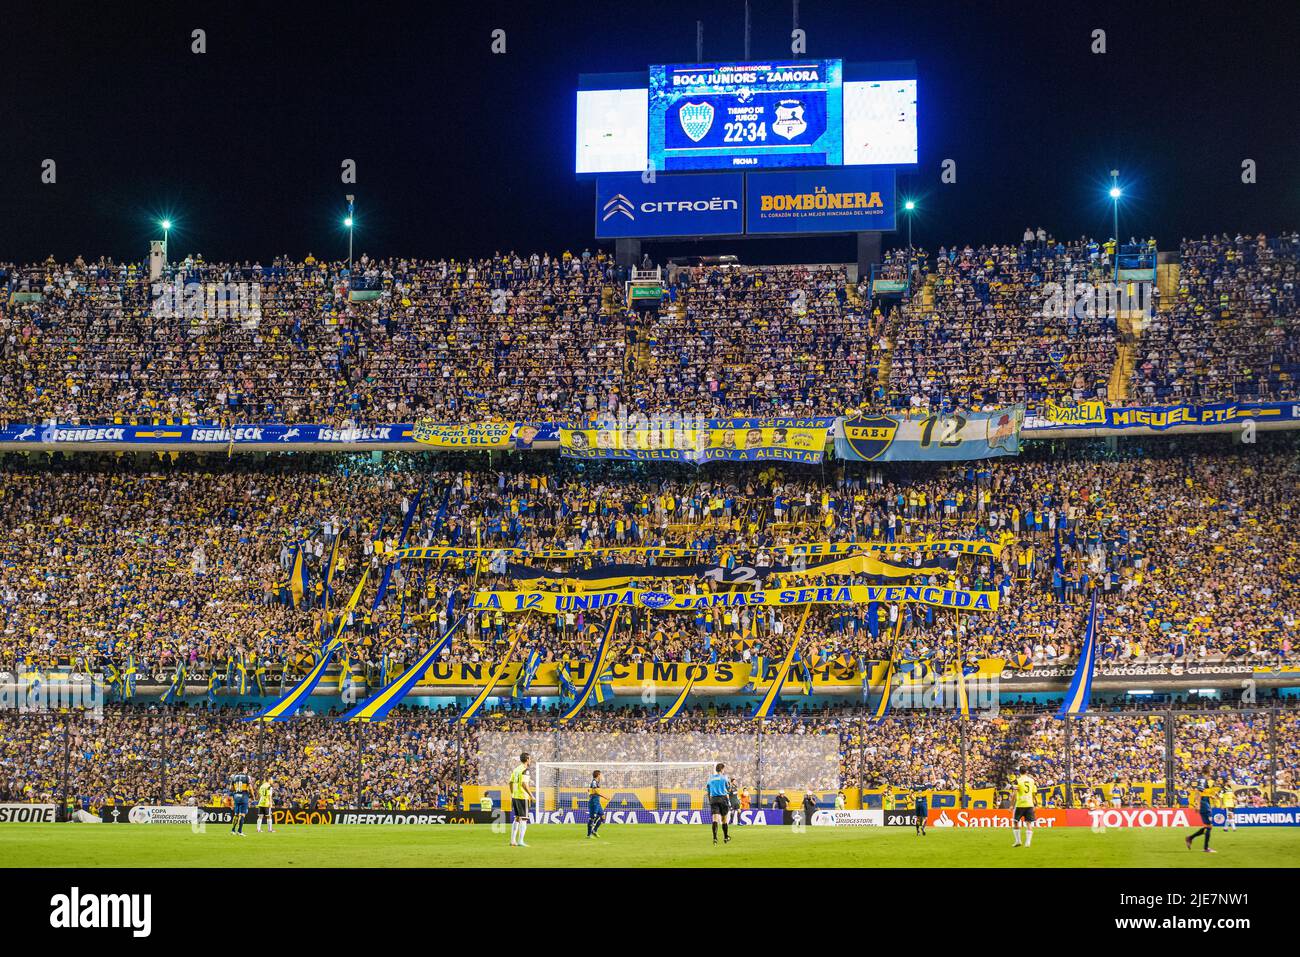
(112, 678)
(604, 689)
(526, 674)
(803, 674)
(177, 686)
(565, 680)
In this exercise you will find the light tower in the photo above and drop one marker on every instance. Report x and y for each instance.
(1115, 194)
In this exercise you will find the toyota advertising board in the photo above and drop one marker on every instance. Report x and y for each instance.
(1096, 818)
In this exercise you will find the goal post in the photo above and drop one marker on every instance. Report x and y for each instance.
(659, 781)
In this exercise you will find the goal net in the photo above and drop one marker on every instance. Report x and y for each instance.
(663, 785)
(659, 769)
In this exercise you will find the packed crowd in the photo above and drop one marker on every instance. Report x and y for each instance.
(1233, 332)
(537, 337)
(149, 565)
(422, 758)
(745, 341)
(548, 338)
(983, 330)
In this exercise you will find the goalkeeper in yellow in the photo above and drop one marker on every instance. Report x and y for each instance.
(265, 795)
(1022, 819)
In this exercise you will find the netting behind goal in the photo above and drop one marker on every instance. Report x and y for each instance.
(645, 768)
(626, 785)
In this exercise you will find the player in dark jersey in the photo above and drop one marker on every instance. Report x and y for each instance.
(1209, 794)
(241, 787)
(595, 807)
(921, 811)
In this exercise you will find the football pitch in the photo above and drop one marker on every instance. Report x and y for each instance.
(628, 845)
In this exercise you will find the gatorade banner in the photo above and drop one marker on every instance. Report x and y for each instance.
(949, 437)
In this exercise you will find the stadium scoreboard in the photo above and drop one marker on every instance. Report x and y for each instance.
(754, 115)
(745, 116)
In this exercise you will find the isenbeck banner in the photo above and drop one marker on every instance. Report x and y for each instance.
(522, 435)
(704, 205)
(821, 201)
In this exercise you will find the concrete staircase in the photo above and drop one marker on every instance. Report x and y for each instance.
(922, 306)
(1131, 327)
(1167, 278)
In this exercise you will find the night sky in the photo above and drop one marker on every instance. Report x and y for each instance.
(462, 152)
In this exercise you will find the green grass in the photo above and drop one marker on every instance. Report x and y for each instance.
(643, 845)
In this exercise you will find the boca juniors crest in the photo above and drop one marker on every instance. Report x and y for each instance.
(696, 119)
(870, 436)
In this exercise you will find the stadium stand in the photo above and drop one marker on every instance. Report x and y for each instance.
(540, 337)
(422, 758)
(117, 558)
(132, 561)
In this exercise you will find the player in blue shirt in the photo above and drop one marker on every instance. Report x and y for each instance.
(921, 811)
(242, 786)
(719, 802)
(595, 810)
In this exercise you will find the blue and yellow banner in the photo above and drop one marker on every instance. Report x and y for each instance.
(963, 546)
(289, 704)
(475, 435)
(1076, 698)
(377, 706)
(882, 706)
(661, 601)
(764, 707)
(675, 708)
(602, 577)
(1096, 415)
(497, 674)
(947, 437)
(596, 672)
(800, 440)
